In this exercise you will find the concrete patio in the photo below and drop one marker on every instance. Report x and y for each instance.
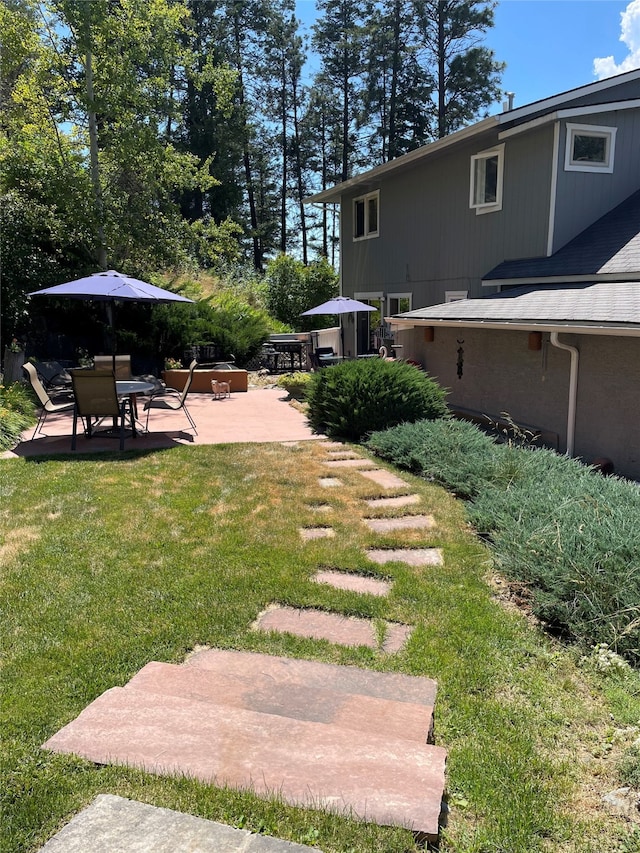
(259, 415)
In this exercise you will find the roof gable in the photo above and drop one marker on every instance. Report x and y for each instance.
(601, 91)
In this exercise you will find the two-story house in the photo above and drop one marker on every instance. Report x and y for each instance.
(506, 257)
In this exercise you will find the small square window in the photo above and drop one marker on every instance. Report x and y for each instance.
(399, 302)
(365, 216)
(486, 180)
(590, 148)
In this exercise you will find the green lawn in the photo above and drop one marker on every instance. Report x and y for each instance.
(112, 561)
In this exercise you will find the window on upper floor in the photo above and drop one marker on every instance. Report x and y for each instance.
(455, 295)
(366, 216)
(590, 148)
(399, 302)
(486, 180)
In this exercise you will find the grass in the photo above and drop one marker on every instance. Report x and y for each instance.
(115, 560)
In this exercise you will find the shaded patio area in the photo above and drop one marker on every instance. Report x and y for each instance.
(259, 415)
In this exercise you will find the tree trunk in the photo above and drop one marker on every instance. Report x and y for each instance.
(93, 147)
(442, 108)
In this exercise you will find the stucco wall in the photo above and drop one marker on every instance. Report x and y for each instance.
(500, 374)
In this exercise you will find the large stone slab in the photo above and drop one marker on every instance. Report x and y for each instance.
(258, 671)
(114, 825)
(321, 625)
(369, 776)
(319, 704)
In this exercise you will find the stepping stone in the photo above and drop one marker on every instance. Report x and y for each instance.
(343, 453)
(344, 630)
(317, 532)
(295, 700)
(410, 556)
(329, 482)
(400, 500)
(113, 823)
(369, 776)
(407, 522)
(353, 582)
(258, 670)
(320, 507)
(384, 478)
(352, 462)
(319, 735)
(332, 445)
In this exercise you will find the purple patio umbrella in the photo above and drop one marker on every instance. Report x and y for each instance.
(339, 305)
(111, 287)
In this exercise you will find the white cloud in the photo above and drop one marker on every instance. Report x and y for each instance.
(606, 66)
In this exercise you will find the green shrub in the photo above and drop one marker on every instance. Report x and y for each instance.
(453, 453)
(17, 412)
(295, 384)
(629, 768)
(572, 535)
(355, 398)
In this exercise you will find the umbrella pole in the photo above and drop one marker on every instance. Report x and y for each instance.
(110, 312)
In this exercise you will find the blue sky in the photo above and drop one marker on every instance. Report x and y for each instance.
(551, 45)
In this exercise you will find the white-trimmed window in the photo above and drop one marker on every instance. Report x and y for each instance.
(590, 148)
(455, 295)
(366, 216)
(398, 303)
(487, 169)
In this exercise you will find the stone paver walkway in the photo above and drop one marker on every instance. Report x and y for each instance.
(337, 738)
(319, 735)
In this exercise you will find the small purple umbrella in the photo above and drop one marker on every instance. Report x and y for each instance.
(339, 305)
(111, 287)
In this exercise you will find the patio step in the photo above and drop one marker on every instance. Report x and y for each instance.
(354, 743)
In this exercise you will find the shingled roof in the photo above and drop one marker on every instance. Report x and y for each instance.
(612, 306)
(608, 249)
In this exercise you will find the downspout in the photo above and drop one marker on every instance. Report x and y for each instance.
(573, 390)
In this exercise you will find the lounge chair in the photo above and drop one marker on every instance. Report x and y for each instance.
(55, 378)
(48, 406)
(169, 399)
(96, 397)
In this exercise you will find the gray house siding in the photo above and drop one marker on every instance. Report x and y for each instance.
(430, 240)
(500, 374)
(583, 197)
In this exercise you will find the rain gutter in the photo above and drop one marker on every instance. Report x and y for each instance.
(573, 390)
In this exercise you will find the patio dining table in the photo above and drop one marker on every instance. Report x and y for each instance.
(132, 388)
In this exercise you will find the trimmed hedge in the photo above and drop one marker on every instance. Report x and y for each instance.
(352, 399)
(572, 535)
